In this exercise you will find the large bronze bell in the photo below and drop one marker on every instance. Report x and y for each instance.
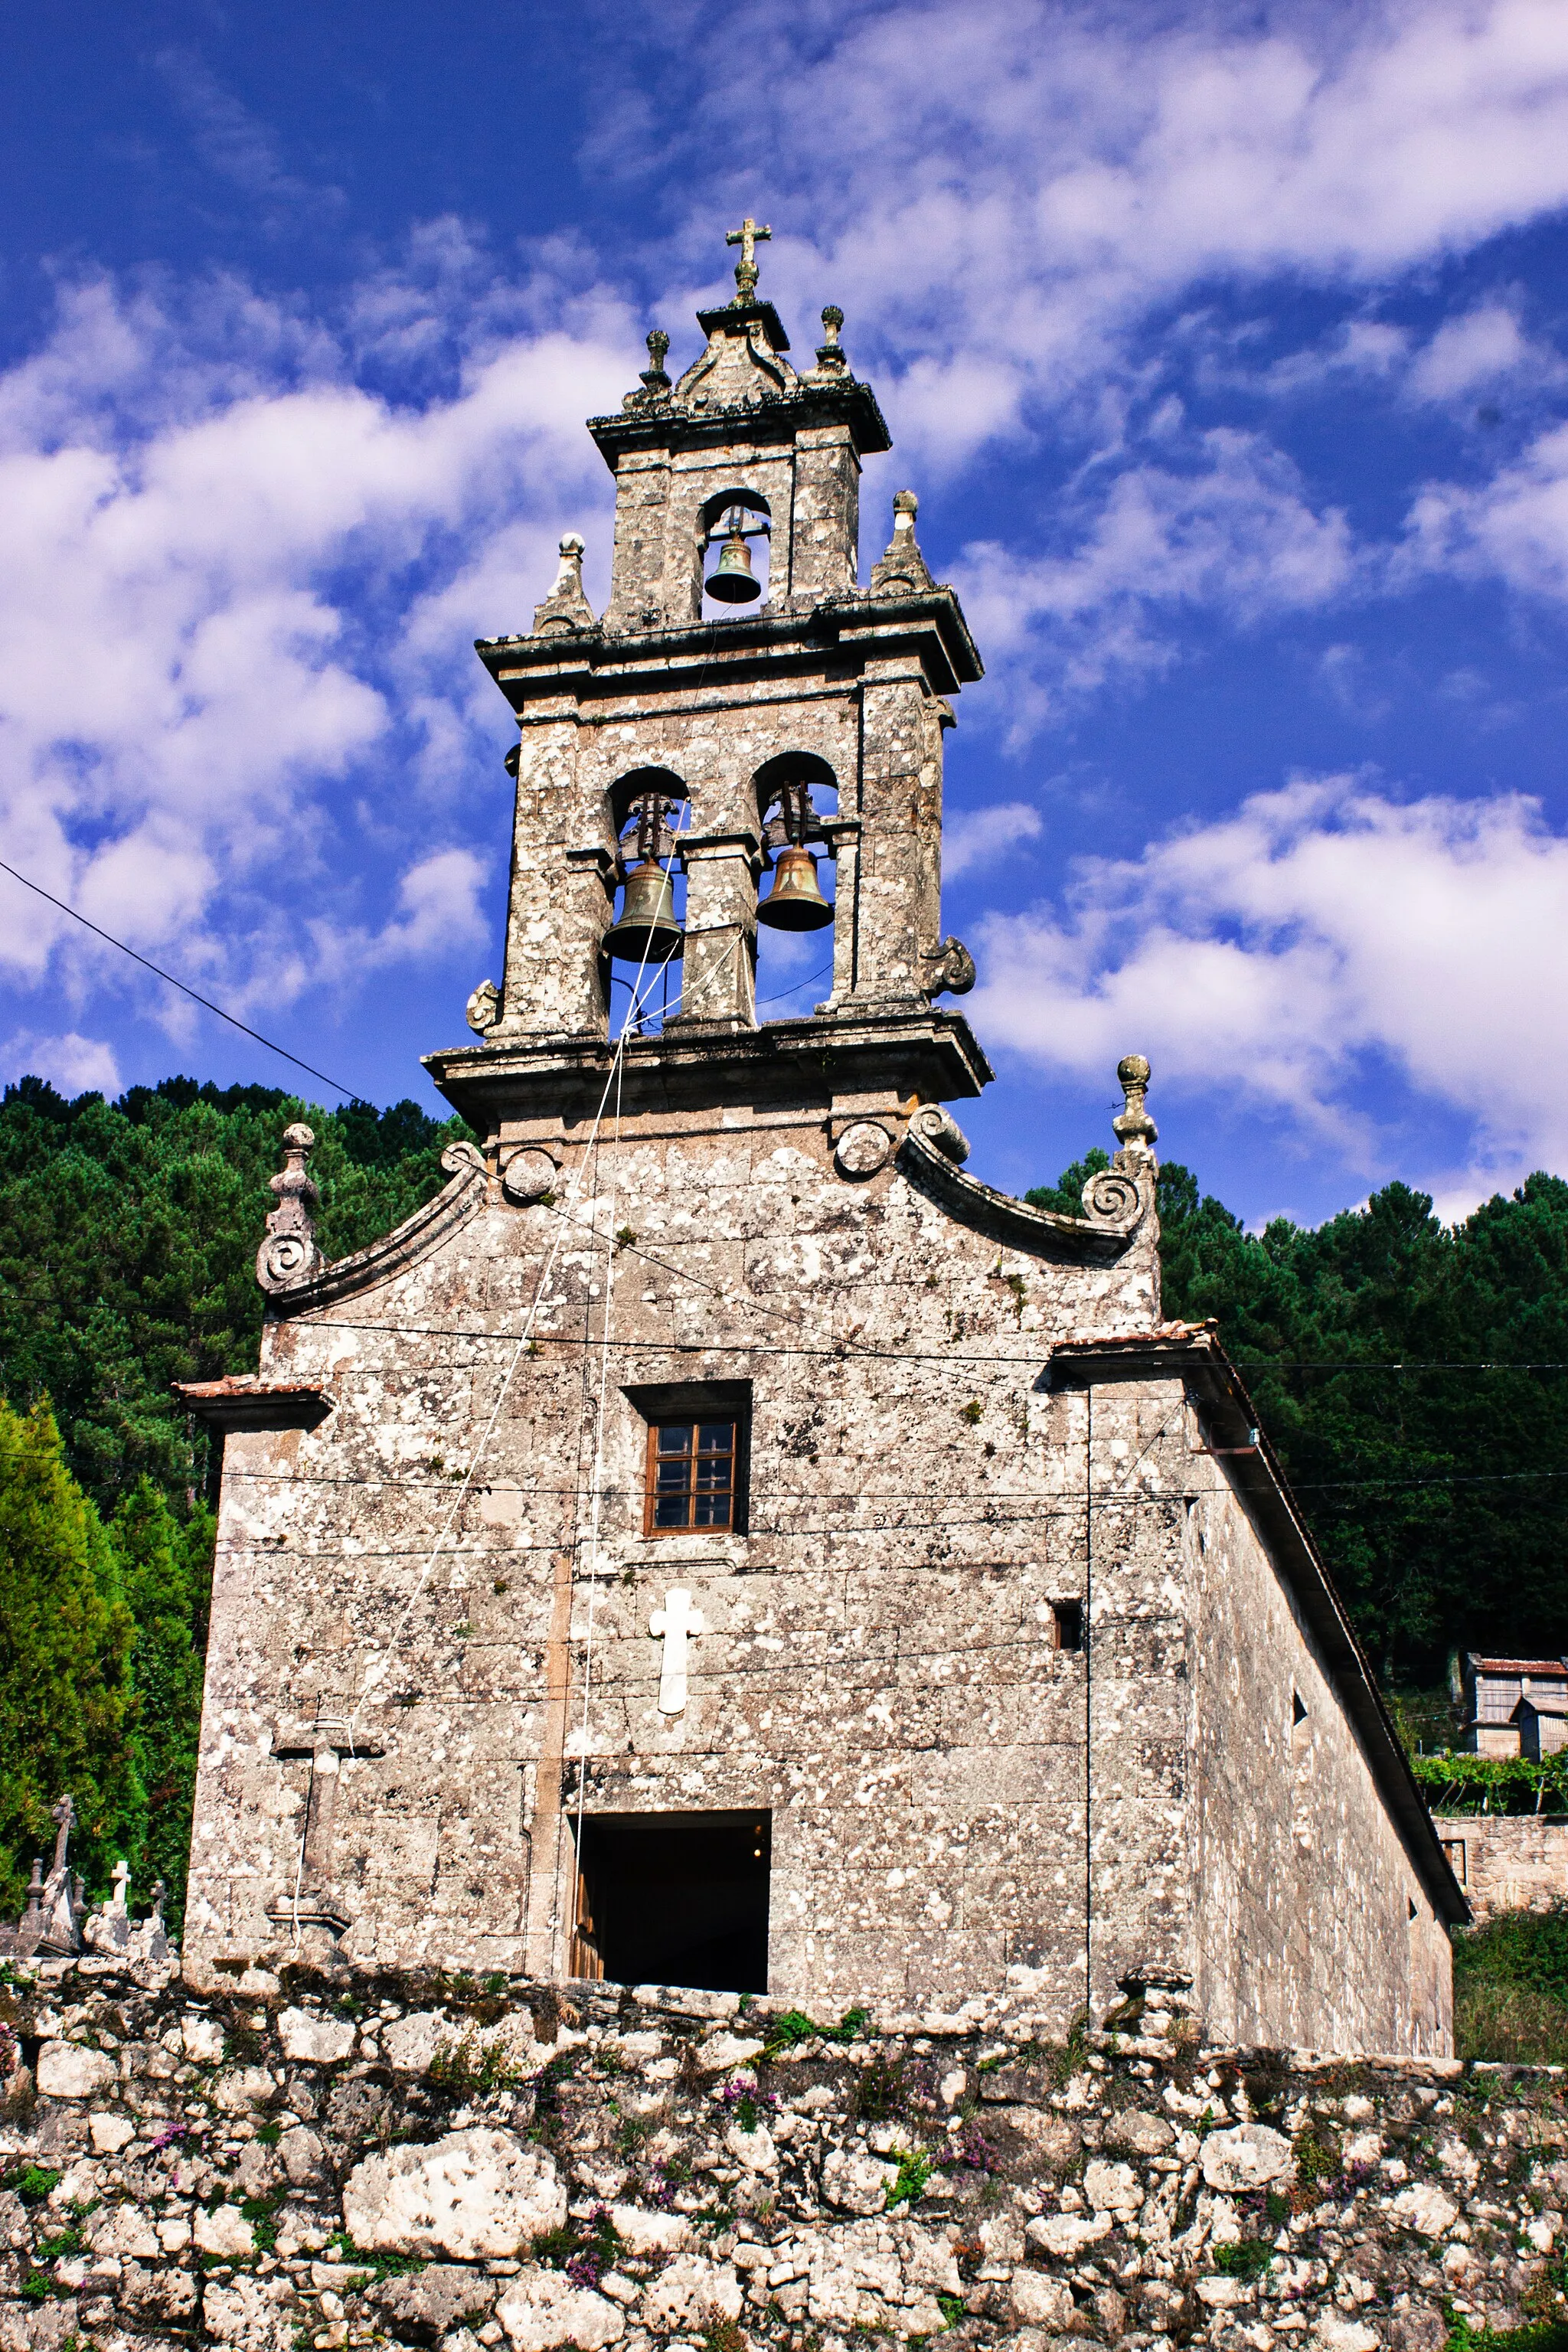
(732, 581)
(795, 903)
(648, 932)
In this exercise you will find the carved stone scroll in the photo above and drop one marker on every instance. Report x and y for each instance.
(289, 1253)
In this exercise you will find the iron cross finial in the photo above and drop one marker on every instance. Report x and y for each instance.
(746, 237)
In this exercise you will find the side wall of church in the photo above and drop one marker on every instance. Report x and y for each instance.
(1303, 1890)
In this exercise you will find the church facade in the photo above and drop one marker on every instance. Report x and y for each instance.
(718, 1540)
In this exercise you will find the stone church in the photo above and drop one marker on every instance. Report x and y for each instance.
(718, 1541)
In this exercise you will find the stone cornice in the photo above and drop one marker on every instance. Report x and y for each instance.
(933, 1053)
(243, 1401)
(1118, 1203)
(774, 416)
(591, 663)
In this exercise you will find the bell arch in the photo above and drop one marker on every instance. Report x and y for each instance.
(785, 772)
(635, 786)
(738, 523)
(797, 797)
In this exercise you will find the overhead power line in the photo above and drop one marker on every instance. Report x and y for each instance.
(352, 1093)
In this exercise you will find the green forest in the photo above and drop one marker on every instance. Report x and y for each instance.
(1410, 1375)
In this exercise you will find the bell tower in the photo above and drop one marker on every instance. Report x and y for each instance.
(744, 718)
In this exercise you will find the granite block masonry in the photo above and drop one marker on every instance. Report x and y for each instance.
(272, 2162)
(717, 1539)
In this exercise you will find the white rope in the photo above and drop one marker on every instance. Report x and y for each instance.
(379, 1666)
(589, 1156)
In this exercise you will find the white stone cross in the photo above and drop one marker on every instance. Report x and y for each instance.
(120, 1875)
(675, 1621)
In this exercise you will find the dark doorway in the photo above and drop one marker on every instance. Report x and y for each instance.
(676, 1899)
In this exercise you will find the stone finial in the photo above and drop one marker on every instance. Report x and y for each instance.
(566, 606)
(829, 352)
(747, 237)
(64, 1815)
(1133, 1126)
(289, 1254)
(902, 569)
(654, 376)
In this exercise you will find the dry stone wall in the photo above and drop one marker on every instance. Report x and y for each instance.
(270, 2161)
(1507, 1862)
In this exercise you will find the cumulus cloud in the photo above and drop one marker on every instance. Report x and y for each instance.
(974, 839)
(439, 909)
(1015, 181)
(1273, 954)
(72, 1064)
(1479, 347)
(1513, 527)
(213, 619)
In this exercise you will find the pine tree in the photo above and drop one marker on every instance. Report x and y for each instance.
(66, 1708)
(165, 1570)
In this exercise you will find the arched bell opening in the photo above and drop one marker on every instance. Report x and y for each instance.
(797, 797)
(736, 528)
(646, 940)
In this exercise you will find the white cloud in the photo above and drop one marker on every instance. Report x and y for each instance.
(1270, 957)
(1236, 533)
(438, 907)
(1011, 184)
(1514, 527)
(212, 618)
(1478, 348)
(974, 839)
(73, 1065)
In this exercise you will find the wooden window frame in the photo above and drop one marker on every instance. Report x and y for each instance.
(694, 1419)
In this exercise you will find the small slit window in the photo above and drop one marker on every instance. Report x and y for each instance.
(691, 1468)
(1066, 1624)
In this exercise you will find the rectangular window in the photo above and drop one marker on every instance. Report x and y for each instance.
(1066, 1624)
(691, 1475)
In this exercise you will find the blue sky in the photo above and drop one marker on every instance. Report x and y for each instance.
(1226, 347)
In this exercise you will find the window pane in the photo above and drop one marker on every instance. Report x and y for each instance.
(692, 1474)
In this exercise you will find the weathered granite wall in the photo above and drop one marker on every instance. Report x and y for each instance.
(271, 2161)
(1507, 1862)
(1310, 1921)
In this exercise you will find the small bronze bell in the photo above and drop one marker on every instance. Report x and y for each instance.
(648, 932)
(795, 903)
(733, 582)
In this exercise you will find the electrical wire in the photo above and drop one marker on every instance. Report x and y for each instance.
(244, 1027)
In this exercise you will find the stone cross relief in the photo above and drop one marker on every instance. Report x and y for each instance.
(311, 1901)
(678, 1623)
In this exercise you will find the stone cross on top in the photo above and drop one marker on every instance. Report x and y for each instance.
(746, 237)
(675, 1621)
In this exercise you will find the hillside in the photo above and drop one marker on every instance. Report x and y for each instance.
(1413, 1379)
